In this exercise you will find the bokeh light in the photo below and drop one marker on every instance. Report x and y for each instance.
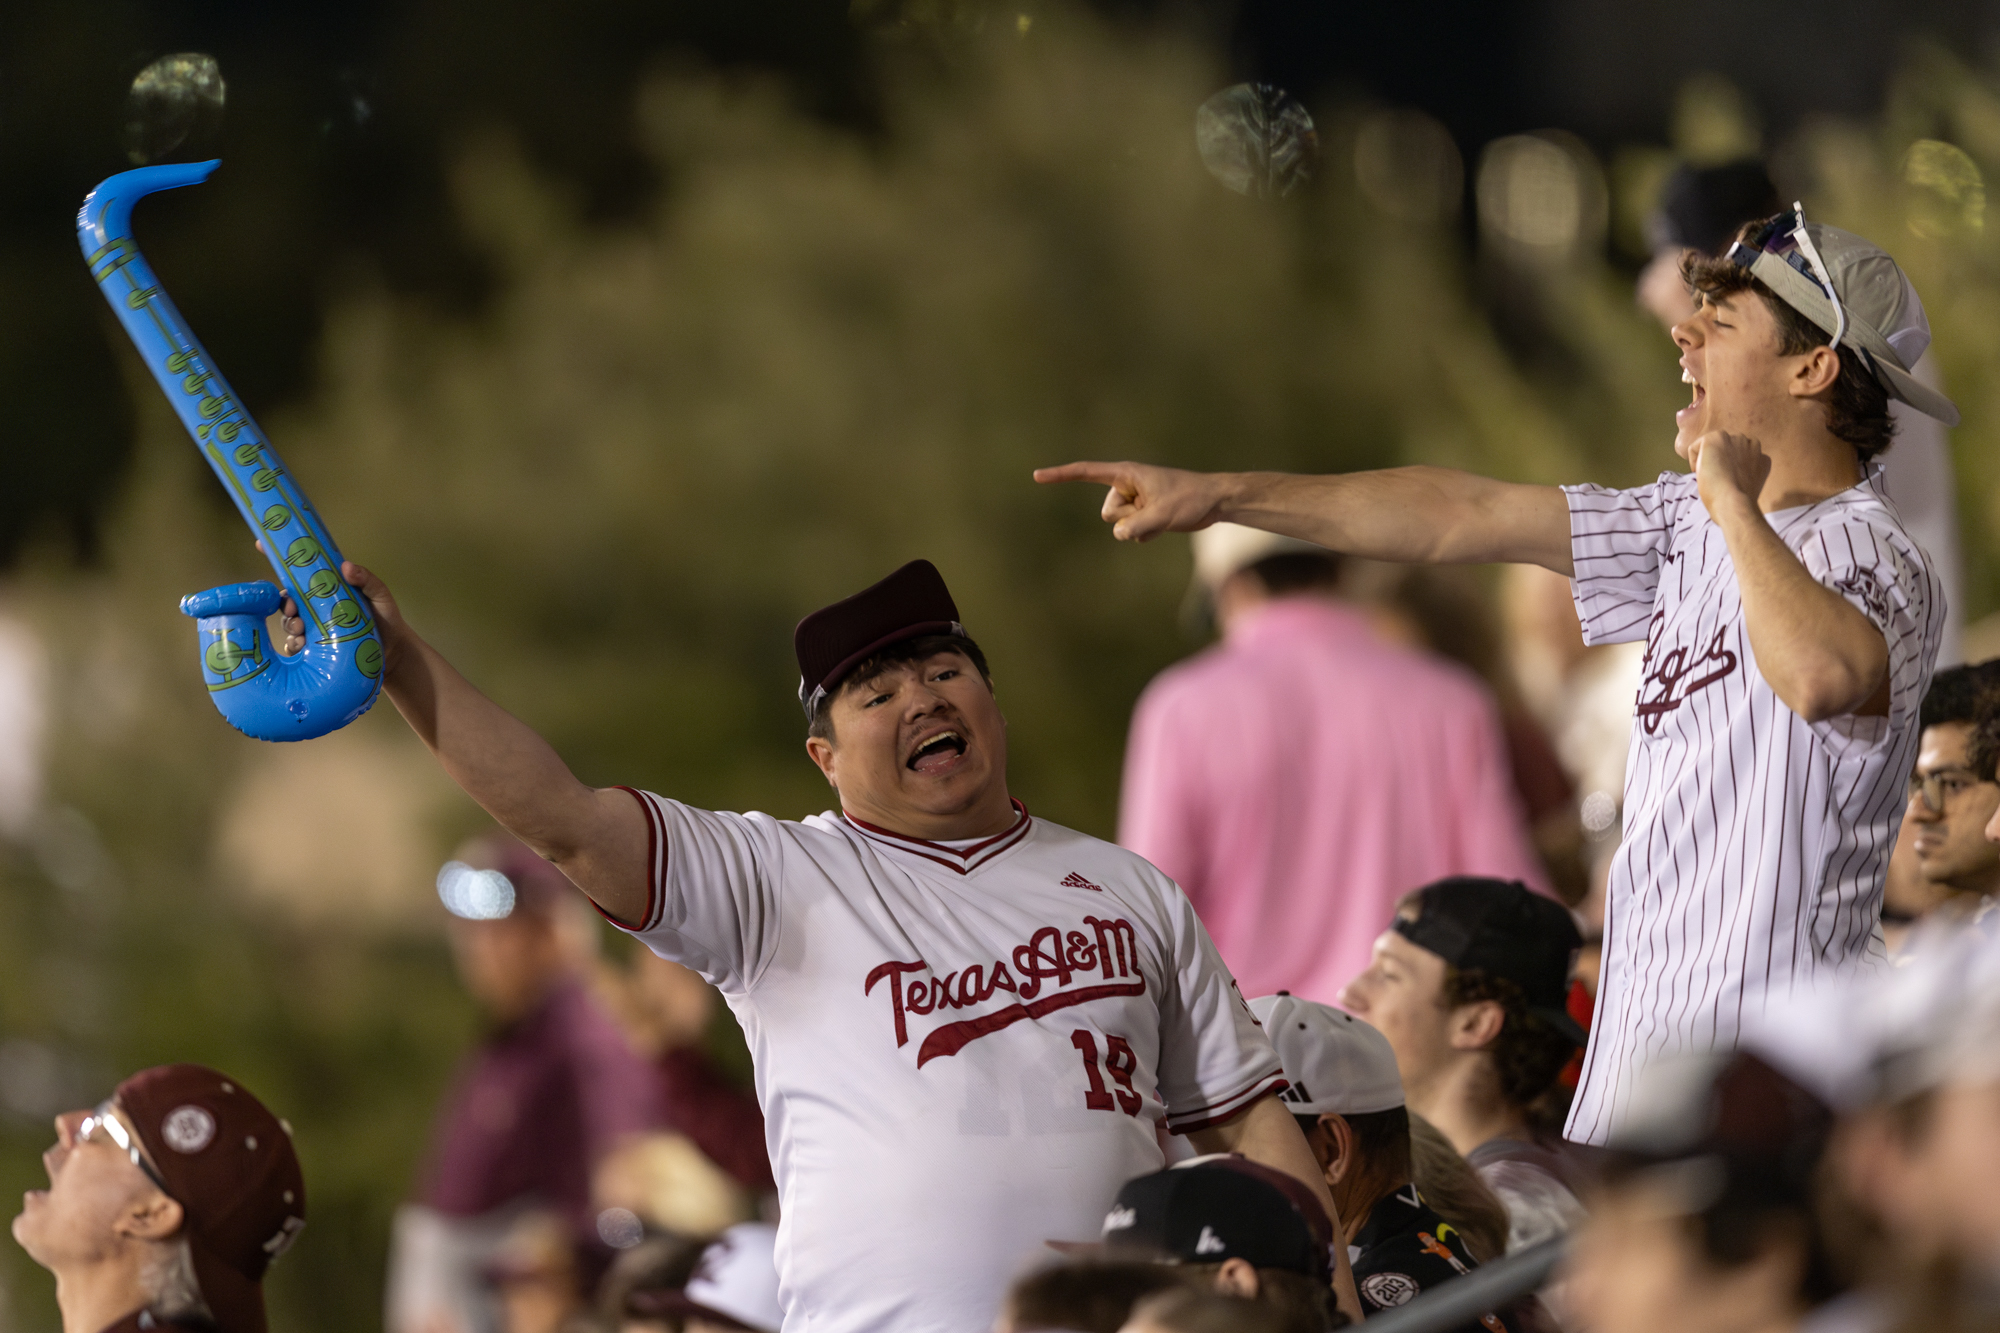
(1542, 192)
(1257, 140)
(175, 102)
(1407, 165)
(1947, 191)
(475, 895)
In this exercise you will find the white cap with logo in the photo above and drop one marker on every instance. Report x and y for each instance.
(1333, 1061)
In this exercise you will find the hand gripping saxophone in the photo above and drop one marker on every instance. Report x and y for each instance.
(260, 693)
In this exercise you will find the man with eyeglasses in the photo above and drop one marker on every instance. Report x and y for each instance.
(165, 1206)
(1791, 625)
(1947, 866)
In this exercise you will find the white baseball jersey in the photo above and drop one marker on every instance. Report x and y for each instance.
(1755, 841)
(962, 1052)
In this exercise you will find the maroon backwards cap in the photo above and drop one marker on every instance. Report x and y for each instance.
(229, 1163)
(833, 640)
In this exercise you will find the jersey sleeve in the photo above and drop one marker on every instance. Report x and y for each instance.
(712, 901)
(1880, 573)
(1214, 1058)
(1617, 540)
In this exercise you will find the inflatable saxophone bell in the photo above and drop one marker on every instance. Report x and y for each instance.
(260, 693)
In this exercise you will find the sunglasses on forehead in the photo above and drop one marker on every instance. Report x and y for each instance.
(103, 1121)
(1784, 236)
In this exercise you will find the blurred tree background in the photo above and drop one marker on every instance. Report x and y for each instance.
(618, 340)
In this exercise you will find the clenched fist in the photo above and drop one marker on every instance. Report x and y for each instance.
(1728, 468)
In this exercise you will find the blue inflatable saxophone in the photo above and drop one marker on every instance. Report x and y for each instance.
(260, 693)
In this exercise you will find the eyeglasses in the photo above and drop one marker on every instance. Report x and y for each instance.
(1937, 788)
(103, 1121)
(1795, 247)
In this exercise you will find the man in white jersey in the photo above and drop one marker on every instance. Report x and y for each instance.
(968, 1025)
(1791, 626)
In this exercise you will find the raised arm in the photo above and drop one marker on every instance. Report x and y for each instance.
(1415, 515)
(596, 836)
(1821, 657)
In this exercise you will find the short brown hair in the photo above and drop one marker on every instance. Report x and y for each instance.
(1857, 406)
(1381, 1138)
(1528, 1053)
(1088, 1297)
(1982, 751)
(1286, 1302)
(909, 650)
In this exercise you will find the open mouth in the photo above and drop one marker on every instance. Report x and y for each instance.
(937, 753)
(1699, 399)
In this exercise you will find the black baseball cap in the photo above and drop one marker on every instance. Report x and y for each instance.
(1217, 1208)
(1701, 208)
(833, 640)
(1505, 929)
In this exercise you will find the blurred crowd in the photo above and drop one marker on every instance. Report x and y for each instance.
(1377, 728)
(598, 1167)
(1451, 759)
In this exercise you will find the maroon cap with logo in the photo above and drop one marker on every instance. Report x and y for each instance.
(229, 1163)
(833, 640)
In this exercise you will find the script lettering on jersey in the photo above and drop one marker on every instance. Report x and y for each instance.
(1040, 979)
(1862, 585)
(1672, 677)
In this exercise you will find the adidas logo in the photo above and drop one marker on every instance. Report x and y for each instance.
(1295, 1093)
(1076, 881)
(1209, 1243)
(1120, 1218)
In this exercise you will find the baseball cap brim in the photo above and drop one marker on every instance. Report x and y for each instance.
(1561, 1022)
(236, 1302)
(1804, 295)
(1906, 387)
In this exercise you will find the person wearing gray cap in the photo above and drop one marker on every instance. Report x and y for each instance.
(1791, 625)
(1700, 210)
(1348, 1098)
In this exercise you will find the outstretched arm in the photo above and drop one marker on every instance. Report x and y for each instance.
(596, 836)
(1414, 515)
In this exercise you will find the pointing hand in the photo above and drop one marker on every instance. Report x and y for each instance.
(1144, 501)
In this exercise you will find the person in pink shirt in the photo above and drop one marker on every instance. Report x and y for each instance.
(1301, 775)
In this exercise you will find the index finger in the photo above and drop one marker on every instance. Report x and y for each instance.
(1104, 474)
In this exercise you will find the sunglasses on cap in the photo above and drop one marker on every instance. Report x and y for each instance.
(105, 1121)
(1794, 245)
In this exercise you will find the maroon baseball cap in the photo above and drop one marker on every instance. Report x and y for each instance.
(833, 640)
(229, 1163)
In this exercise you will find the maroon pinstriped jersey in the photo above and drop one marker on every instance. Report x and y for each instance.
(1755, 841)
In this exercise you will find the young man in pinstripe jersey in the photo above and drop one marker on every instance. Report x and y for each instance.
(1791, 626)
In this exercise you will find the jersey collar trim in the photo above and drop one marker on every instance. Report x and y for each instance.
(951, 858)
